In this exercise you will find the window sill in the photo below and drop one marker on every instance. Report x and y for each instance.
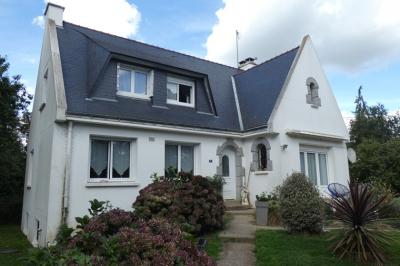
(261, 172)
(180, 104)
(112, 184)
(133, 95)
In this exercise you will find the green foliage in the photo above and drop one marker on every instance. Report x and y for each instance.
(361, 238)
(218, 182)
(117, 237)
(63, 235)
(14, 124)
(378, 162)
(192, 202)
(301, 208)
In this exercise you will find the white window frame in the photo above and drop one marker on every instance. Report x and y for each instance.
(133, 70)
(109, 178)
(305, 151)
(180, 81)
(179, 155)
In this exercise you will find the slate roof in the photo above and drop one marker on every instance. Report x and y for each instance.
(85, 53)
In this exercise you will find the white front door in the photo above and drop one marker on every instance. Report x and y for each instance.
(229, 174)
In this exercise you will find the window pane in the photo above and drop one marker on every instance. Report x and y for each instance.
(171, 156)
(124, 80)
(323, 173)
(225, 165)
(140, 83)
(262, 157)
(172, 89)
(312, 168)
(121, 159)
(184, 93)
(187, 158)
(302, 163)
(99, 159)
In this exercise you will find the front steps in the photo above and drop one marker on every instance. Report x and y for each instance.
(235, 205)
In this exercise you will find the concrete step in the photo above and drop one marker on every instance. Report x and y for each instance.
(235, 205)
(248, 211)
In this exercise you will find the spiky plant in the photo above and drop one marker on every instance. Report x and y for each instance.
(360, 238)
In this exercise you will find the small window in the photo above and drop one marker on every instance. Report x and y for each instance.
(133, 81)
(179, 157)
(262, 157)
(312, 96)
(180, 91)
(314, 165)
(110, 159)
(225, 165)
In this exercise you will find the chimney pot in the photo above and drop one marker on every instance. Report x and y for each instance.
(54, 12)
(247, 63)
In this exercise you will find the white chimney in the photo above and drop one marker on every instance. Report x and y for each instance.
(55, 13)
(247, 63)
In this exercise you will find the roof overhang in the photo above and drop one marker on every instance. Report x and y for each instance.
(315, 136)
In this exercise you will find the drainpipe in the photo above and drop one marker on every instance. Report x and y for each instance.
(65, 199)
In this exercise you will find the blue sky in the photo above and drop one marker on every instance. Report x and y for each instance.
(193, 27)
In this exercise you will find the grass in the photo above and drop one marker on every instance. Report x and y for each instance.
(276, 248)
(214, 246)
(11, 237)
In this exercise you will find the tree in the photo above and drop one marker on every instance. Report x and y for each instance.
(370, 122)
(14, 116)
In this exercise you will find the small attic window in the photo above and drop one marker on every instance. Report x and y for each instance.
(312, 96)
(180, 91)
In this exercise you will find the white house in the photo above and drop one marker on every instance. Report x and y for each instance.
(108, 112)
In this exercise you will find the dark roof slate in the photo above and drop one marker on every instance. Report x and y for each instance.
(85, 53)
(258, 89)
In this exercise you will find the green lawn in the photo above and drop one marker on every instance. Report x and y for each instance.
(214, 246)
(276, 248)
(11, 237)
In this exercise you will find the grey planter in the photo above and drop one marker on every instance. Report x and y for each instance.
(261, 212)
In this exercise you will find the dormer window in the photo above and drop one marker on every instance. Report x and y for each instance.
(134, 81)
(180, 91)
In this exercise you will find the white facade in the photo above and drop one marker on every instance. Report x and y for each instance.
(58, 187)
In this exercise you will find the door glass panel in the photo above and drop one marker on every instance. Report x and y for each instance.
(312, 167)
(121, 159)
(184, 93)
(140, 83)
(225, 165)
(323, 173)
(99, 159)
(171, 156)
(124, 80)
(187, 159)
(172, 89)
(302, 163)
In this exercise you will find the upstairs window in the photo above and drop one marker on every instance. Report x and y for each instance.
(180, 92)
(110, 160)
(133, 81)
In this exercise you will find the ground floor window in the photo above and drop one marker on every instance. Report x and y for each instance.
(314, 165)
(179, 157)
(110, 159)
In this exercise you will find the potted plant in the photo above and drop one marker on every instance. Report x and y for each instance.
(262, 209)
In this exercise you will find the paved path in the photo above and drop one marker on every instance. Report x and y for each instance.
(238, 239)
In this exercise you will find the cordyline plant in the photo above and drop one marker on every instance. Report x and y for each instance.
(361, 238)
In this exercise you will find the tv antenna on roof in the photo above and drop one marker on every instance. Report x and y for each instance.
(237, 48)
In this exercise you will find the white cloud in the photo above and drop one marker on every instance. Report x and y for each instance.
(349, 35)
(117, 17)
(39, 21)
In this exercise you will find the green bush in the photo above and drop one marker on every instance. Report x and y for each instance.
(193, 203)
(301, 207)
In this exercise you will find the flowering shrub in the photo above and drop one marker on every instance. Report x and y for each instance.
(194, 204)
(118, 237)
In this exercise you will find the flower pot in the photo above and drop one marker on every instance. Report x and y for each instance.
(261, 212)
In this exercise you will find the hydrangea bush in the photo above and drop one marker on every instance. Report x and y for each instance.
(194, 203)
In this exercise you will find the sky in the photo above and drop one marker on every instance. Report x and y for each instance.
(358, 41)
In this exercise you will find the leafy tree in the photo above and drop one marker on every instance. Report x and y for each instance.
(378, 161)
(14, 120)
(370, 122)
